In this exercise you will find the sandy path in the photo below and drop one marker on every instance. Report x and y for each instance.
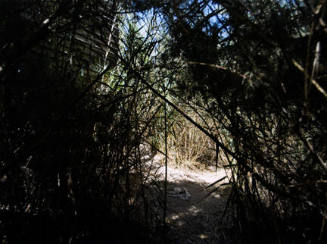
(192, 215)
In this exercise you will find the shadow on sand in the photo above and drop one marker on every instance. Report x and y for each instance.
(197, 219)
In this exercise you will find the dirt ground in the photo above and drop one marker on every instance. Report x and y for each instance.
(194, 215)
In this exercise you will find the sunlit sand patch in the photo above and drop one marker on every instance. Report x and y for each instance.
(180, 223)
(216, 195)
(193, 210)
(203, 236)
(175, 216)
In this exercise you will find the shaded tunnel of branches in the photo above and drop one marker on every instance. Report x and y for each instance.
(91, 90)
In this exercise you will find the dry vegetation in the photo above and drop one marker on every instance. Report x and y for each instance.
(188, 146)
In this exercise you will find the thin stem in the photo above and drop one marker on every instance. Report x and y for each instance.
(166, 165)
